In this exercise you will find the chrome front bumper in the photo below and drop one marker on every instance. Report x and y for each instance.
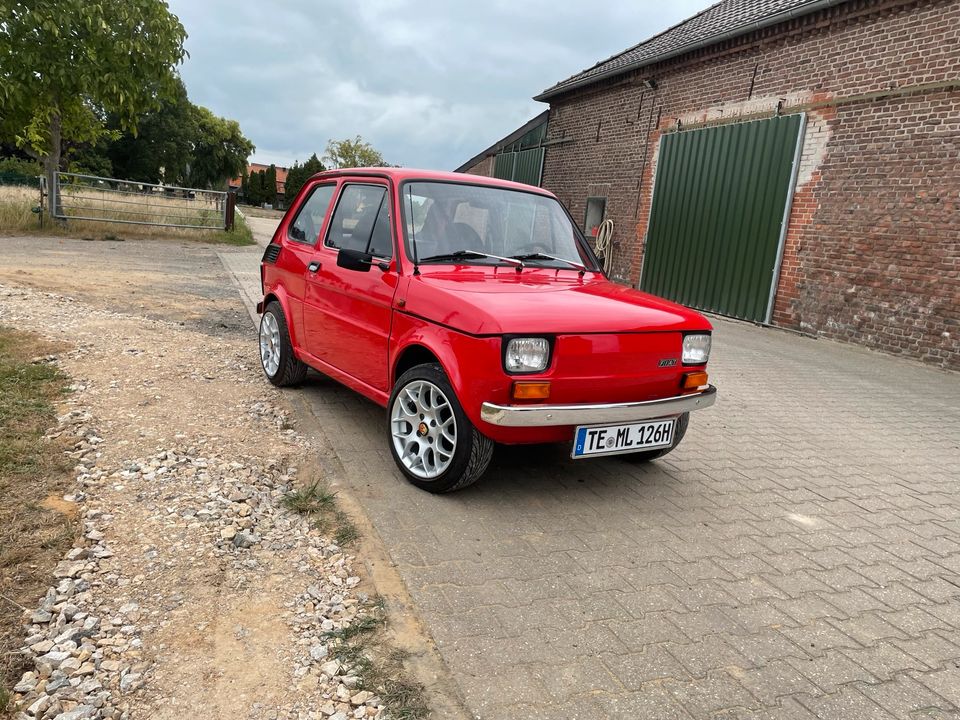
(545, 415)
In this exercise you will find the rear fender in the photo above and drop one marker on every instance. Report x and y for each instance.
(280, 295)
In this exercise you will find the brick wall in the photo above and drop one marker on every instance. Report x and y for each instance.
(872, 253)
(483, 167)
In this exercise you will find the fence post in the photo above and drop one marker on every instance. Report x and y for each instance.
(230, 210)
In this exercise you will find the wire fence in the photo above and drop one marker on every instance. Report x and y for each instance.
(89, 197)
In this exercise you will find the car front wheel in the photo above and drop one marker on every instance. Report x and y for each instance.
(431, 439)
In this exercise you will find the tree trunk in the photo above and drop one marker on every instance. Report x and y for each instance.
(51, 164)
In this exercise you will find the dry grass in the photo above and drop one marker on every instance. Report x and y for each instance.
(17, 218)
(35, 532)
(254, 211)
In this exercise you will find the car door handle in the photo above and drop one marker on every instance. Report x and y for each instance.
(313, 267)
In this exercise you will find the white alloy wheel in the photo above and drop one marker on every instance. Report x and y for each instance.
(269, 344)
(424, 429)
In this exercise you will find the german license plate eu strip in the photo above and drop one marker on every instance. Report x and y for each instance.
(594, 440)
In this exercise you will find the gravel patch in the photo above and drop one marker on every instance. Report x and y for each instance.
(191, 588)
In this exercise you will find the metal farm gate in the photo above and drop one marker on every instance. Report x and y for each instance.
(89, 197)
(721, 200)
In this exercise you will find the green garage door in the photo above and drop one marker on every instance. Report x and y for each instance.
(720, 200)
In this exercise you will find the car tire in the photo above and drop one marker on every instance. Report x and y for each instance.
(679, 432)
(279, 364)
(432, 440)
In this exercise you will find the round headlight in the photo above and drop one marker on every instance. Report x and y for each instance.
(526, 355)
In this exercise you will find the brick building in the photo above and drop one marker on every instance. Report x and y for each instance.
(787, 161)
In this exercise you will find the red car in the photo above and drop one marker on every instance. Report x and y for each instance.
(474, 310)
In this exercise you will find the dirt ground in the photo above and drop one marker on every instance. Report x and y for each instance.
(191, 451)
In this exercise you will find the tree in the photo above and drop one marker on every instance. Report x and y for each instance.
(352, 153)
(299, 174)
(270, 184)
(245, 186)
(220, 151)
(66, 64)
(163, 148)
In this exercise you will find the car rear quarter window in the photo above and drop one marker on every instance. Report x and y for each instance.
(308, 223)
(361, 221)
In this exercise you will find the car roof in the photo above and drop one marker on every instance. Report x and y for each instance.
(402, 174)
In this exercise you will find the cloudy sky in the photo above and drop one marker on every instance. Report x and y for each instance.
(429, 83)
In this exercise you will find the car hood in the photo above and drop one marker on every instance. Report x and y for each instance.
(496, 300)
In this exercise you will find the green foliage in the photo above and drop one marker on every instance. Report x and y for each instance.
(299, 174)
(255, 194)
(30, 168)
(220, 151)
(354, 153)
(270, 185)
(163, 147)
(66, 64)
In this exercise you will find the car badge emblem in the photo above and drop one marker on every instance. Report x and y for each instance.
(667, 362)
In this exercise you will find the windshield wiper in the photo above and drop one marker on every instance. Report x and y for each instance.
(544, 256)
(461, 254)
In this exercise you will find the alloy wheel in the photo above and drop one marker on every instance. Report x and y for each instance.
(424, 429)
(270, 344)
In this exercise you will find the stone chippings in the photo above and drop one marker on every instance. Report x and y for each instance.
(89, 638)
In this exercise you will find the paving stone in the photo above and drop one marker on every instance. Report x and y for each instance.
(848, 704)
(635, 669)
(831, 671)
(905, 698)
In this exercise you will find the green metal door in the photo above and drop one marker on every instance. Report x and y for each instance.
(720, 205)
(522, 160)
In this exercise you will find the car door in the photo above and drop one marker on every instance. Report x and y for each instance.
(298, 243)
(347, 312)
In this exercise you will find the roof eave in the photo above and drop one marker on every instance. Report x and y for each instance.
(700, 44)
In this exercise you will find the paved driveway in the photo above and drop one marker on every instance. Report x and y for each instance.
(798, 556)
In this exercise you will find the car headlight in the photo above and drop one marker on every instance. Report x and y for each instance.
(696, 349)
(526, 355)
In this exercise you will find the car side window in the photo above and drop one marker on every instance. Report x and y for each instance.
(354, 223)
(381, 241)
(308, 223)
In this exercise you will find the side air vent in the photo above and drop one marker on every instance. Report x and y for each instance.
(271, 254)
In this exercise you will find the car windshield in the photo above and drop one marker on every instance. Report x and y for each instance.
(473, 224)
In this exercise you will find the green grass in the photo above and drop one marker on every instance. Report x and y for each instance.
(240, 235)
(318, 502)
(26, 393)
(359, 648)
(311, 499)
(33, 471)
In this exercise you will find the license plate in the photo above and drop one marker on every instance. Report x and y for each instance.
(592, 440)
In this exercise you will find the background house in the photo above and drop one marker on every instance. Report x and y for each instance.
(795, 162)
(282, 173)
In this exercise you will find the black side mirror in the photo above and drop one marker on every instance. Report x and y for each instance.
(354, 260)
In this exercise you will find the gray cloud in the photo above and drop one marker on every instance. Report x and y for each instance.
(429, 83)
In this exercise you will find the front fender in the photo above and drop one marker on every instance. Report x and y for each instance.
(472, 364)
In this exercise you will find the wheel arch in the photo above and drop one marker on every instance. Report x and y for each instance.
(278, 295)
(412, 355)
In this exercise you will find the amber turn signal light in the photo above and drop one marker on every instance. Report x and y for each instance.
(528, 390)
(694, 380)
